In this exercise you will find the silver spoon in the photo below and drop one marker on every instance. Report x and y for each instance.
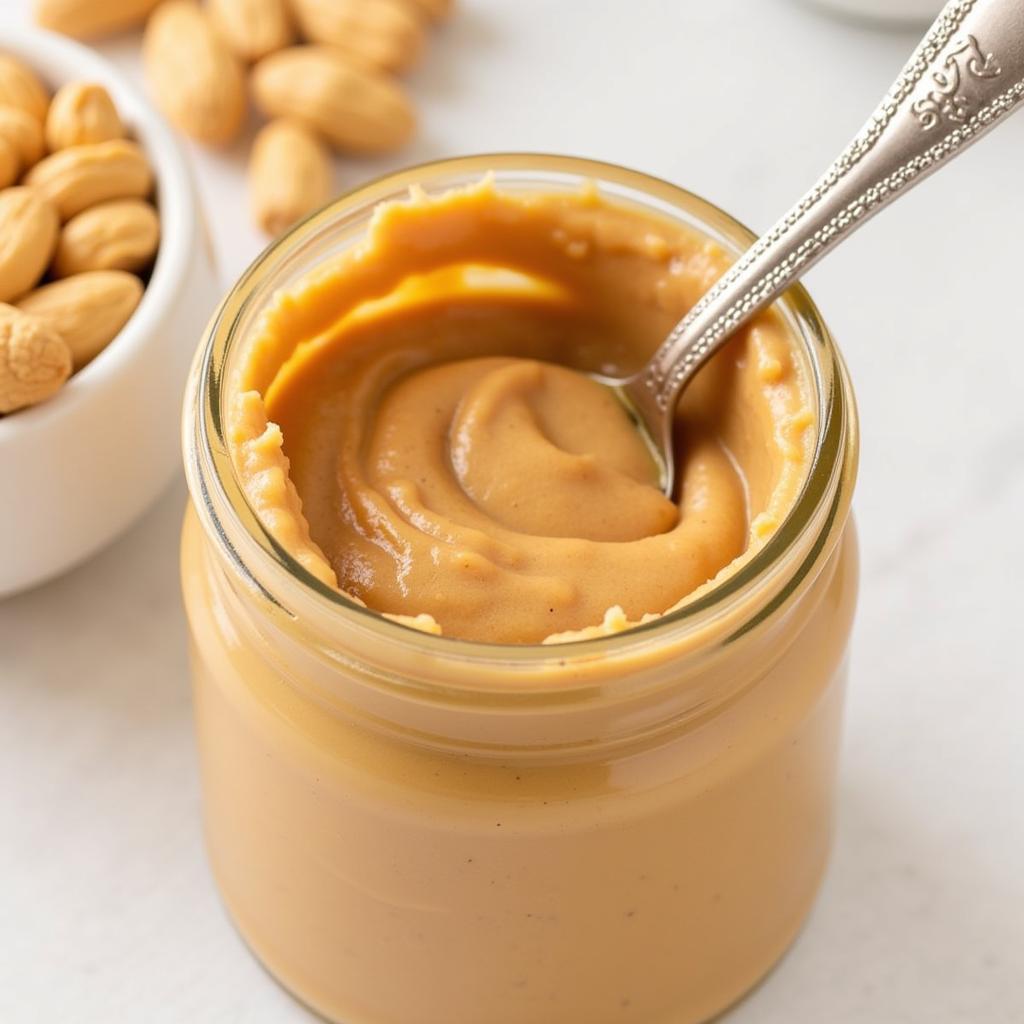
(963, 79)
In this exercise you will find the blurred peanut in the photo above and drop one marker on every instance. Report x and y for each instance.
(289, 175)
(87, 310)
(435, 10)
(353, 107)
(119, 235)
(28, 234)
(90, 19)
(24, 133)
(75, 179)
(10, 163)
(20, 87)
(82, 113)
(193, 76)
(386, 34)
(252, 28)
(34, 360)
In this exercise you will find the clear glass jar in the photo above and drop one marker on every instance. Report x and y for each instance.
(408, 828)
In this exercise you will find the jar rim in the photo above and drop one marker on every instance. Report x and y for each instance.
(244, 540)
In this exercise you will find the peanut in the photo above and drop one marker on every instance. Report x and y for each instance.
(386, 34)
(10, 163)
(351, 106)
(252, 28)
(118, 235)
(435, 10)
(24, 133)
(289, 175)
(20, 87)
(193, 76)
(81, 113)
(34, 360)
(82, 176)
(28, 233)
(87, 310)
(89, 19)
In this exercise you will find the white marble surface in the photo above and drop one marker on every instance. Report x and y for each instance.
(107, 911)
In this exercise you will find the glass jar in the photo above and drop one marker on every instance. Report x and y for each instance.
(409, 829)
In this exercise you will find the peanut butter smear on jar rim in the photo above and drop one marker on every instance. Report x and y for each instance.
(408, 423)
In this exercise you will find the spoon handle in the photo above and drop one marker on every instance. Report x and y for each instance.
(966, 76)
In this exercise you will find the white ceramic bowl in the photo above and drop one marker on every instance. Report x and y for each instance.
(77, 470)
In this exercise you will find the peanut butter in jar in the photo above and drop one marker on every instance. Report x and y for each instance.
(491, 730)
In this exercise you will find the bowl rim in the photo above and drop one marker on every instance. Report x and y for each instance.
(55, 58)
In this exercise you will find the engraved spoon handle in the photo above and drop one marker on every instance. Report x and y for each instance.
(963, 79)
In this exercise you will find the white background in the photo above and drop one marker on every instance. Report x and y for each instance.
(107, 911)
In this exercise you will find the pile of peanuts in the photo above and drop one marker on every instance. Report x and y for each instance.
(323, 72)
(74, 214)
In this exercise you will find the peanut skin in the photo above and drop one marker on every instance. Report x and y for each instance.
(252, 28)
(91, 19)
(354, 107)
(122, 234)
(193, 76)
(28, 234)
(24, 133)
(289, 175)
(34, 360)
(10, 163)
(384, 34)
(76, 178)
(20, 87)
(81, 113)
(86, 310)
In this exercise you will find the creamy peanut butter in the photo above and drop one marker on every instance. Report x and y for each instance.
(410, 423)
(408, 830)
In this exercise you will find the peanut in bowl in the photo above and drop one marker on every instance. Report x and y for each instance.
(80, 466)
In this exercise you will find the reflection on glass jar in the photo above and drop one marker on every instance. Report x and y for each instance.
(409, 828)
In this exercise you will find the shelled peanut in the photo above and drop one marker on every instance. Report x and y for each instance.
(194, 77)
(77, 231)
(325, 67)
(92, 19)
(289, 174)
